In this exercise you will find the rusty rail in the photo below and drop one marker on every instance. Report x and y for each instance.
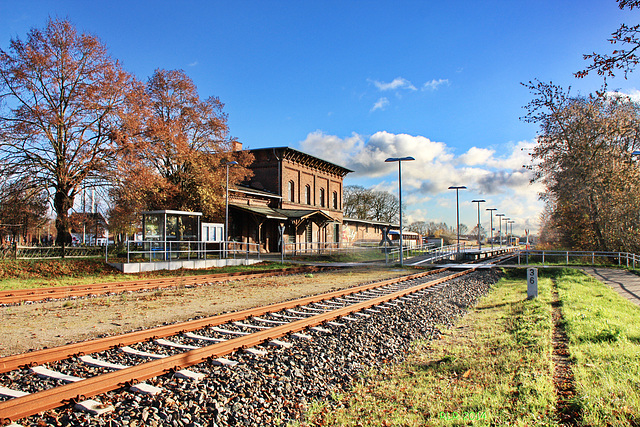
(38, 357)
(15, 296)
(25, 406)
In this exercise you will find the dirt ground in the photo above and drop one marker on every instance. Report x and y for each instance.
(39, 325)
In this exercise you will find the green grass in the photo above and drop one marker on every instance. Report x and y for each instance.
(492, 369)
(25, 274)
(495, 366)
(604, 333)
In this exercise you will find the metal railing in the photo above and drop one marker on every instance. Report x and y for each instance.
(172, 250)
(578, 257)
(52, 252)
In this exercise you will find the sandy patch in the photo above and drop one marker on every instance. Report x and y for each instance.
(35, 326)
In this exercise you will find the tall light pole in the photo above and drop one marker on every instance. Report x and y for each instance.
(226, 212)
(491, 211)
(457, 188)
(500, 229)
(400, 160)
(506, 227)
(511, 234)
(478, 202)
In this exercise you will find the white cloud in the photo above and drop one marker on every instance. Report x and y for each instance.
(332, 148)
(380, 104)
(476, 156)
(193, 64)
(425, 181)
(633, 94)
(397, 83)
(435, 84)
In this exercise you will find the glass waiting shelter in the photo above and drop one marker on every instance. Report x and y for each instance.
(171, 234)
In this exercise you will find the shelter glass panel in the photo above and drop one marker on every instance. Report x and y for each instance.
(153, 226)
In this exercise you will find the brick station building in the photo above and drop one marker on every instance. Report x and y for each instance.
(292, 190)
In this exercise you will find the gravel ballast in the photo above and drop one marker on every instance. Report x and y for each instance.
(272, 389)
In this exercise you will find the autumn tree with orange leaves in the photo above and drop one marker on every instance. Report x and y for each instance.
(179, 160)
(585, 158)
(71, 119)
(67, 110)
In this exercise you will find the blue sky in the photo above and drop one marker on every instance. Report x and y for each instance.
(355, 82)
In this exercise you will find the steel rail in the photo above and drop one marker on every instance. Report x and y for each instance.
(38, 357)
(38, 294)
(21, 407)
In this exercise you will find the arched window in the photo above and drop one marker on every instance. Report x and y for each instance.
(291, 192)
(335, 200)
(322, 197)
(307, 195)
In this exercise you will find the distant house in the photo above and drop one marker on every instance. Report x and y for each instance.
(361, 232)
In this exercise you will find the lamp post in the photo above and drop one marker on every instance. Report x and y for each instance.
(400, 160)
(478, 202)
(491, 211)
(226, 212)
(500, 228)
(510, 234)
(506, 228)
(457, 188)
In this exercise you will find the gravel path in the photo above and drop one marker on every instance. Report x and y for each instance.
(276, 388)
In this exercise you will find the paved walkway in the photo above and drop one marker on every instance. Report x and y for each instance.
(625, 283)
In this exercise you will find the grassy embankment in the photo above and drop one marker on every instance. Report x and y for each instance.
(495, 367)
(24, 274)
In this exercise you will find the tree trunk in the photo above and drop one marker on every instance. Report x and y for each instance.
(593, 216)
(62, 203)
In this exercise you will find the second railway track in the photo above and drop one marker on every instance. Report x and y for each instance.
(173, 348)
(15, 296)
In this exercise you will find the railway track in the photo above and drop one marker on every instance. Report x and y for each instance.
(76, 372)
(16, 296)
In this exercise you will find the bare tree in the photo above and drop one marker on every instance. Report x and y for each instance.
(357, 200)
(67, 109)
(368, 204)
(625, 58)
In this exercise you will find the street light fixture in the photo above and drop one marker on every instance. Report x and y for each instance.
(478, 202)
(457, 188)
(500, 228)
(400, 160)
(226, 212)
(511, 234)
(506, 229)
(491, 210)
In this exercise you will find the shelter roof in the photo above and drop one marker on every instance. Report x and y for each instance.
(283, 214)
(253, 191)
(304, 213)
(260, 210)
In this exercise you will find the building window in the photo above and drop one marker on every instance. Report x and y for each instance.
(307, 195)
(291, 191)
(335, 200)
(322, 197)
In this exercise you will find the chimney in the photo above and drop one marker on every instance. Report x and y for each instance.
(236, 146)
